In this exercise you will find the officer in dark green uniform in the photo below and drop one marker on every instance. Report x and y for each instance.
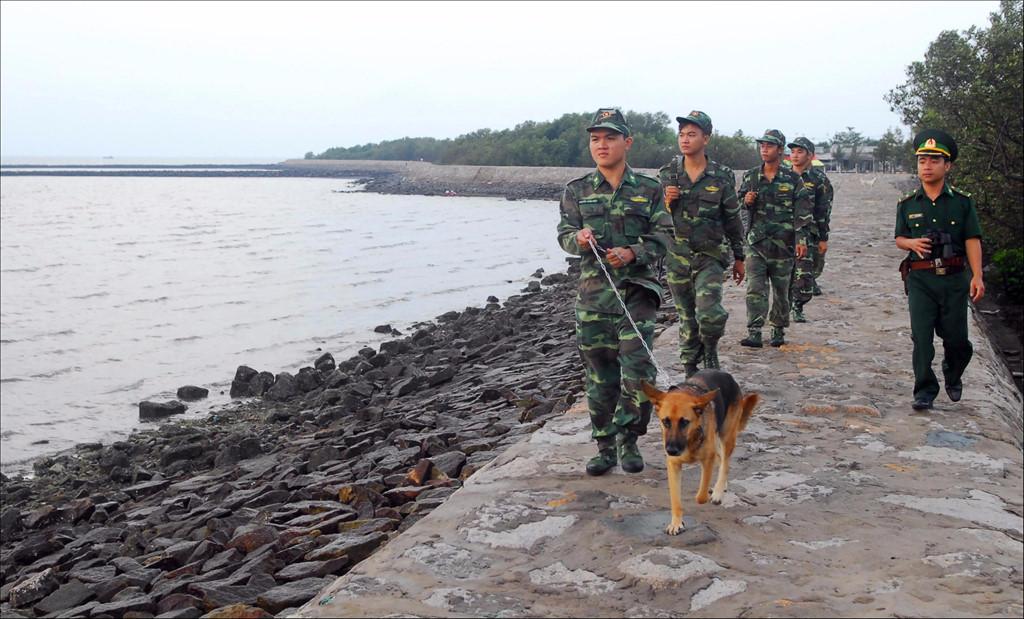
(938, 224)
(622, 213)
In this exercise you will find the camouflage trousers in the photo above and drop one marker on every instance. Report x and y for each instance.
(614, 362)
(801, 286)
(766, 275)
(819, 263)
(696, 286)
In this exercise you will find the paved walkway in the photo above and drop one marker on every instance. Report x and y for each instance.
(843, 501)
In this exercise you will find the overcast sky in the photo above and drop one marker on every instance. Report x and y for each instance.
(279, 79)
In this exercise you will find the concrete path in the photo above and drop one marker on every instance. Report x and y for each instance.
(842, 501)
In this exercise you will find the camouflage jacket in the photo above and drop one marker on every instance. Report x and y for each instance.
(631, 216)
(820, 187)
(781, 214)
(707, 211)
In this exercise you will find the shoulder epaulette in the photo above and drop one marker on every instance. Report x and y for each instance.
(646, 177)
(579, 178)
(959, 191)
(907, 197)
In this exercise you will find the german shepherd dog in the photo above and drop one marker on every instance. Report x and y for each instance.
(700, 421)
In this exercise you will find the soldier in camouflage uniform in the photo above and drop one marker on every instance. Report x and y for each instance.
(803, 283)
(701, 196)
(622, 213)
(779, 210)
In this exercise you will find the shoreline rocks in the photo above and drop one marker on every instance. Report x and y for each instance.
(261, 501)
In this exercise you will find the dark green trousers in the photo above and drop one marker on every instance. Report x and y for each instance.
(938, 306)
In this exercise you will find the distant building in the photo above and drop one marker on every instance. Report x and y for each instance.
(845, 159)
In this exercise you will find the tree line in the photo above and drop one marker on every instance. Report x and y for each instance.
(560, 142)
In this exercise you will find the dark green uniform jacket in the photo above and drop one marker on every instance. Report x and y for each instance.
(631, 216)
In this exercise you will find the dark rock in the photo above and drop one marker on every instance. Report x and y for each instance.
(449, 463)
(93, 575)
(10, 522)
(111, 458)
(191, 392)
(326, 453)
(126, 564)
(140, 604)
(261, 383)
(409, 385)
(146, 488)
(532, 287)
(32, 548)
(308, 379)
(383, 329)
(493, 299)
(178, 601)
(325, 363)
(250, 537)
(223, 559)
(291, 594)
(366, 352)
(240, 385)
(217, 595)
(34, 588)
(398, 496)
(335, 379)
(555, 278)
(284, 388)
(442, 376)
(183, 452)
(355, 547)
(78, 611)
(183, 613)
(41, 517)
(158, 410)
(309, 569)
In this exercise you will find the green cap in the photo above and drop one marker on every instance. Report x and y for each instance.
(773, 136)
(698, 118)
(610, 118)
(803, 143)
(935, 142)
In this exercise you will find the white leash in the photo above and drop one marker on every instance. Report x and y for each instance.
(615, 289)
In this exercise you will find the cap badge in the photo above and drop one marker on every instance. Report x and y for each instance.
(607, 113)
(930, 143)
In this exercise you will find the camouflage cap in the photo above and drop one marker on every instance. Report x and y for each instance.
(610, 118)
(698, 118)
(773, 136)
(935, 142)
(803, 143)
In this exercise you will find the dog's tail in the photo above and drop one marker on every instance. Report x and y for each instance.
(747, 405)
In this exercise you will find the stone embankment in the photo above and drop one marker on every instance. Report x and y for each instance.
(423, 178)
(843, 501)
(253, 510)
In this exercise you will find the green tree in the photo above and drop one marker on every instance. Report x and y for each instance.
(889, 149)
(970, 84)
(737, 151)
(845, 145)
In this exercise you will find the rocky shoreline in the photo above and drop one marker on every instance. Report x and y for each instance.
(254, 509)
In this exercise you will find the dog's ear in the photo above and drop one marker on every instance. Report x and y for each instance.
(703, 400)
(651, 392)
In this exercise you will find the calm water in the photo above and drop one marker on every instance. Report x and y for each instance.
(117, 290)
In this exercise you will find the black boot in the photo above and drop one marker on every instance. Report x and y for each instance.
(753, 339)
(690, 369)
(605, 459)
(711, 355)
(778, 337)
(629, 454)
